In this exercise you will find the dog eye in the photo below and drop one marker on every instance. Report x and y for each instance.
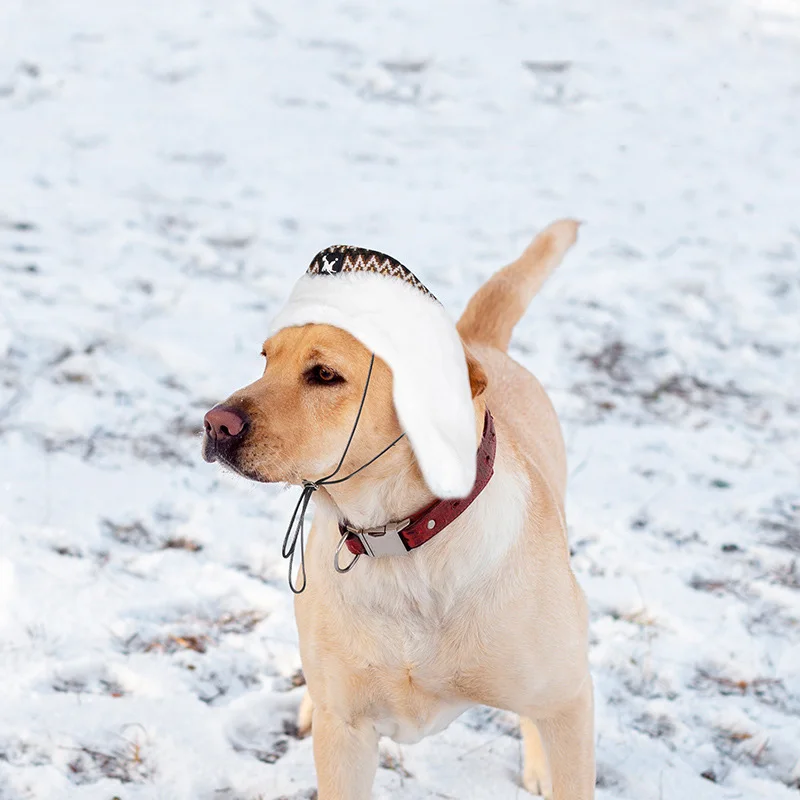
(321, 374)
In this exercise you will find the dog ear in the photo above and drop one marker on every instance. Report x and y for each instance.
(477, 377)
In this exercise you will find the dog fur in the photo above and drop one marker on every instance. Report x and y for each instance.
(489, 611)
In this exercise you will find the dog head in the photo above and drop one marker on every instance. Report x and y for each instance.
(293, 423)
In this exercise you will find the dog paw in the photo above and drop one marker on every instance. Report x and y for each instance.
(304, 715)
(536, 785)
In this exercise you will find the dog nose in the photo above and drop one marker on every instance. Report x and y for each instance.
(224, 423)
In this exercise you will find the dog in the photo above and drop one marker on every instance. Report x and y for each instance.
(488, 611)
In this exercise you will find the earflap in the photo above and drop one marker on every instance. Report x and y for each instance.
(433, 400)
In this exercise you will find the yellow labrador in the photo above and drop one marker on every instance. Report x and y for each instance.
(486, 612)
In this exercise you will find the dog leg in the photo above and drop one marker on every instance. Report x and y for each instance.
(568, 738)
(345, 755)
(536, 772)
(304, 714)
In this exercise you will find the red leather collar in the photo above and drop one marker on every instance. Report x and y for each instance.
(425, 524)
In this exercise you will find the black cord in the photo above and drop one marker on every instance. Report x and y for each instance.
(295, 533)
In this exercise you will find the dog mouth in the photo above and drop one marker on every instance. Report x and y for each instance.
(210, 454)
(213, 453)
(242, 473)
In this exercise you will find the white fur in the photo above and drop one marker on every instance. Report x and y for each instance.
(416, 338)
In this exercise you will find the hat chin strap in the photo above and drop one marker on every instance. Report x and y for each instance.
(295, 533)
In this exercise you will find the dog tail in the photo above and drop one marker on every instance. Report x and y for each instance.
(494, 310)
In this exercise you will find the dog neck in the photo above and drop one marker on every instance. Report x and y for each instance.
(391, 489)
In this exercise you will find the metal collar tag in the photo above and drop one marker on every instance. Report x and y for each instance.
(384, 540)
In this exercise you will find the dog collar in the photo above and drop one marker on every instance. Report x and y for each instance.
(398, 538)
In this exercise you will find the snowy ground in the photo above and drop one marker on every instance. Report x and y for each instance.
(167, 169)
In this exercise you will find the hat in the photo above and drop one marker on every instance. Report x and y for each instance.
(389, 310)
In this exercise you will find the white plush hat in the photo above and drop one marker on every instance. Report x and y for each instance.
(384, 305)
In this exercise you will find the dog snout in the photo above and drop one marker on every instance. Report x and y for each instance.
(224, 424)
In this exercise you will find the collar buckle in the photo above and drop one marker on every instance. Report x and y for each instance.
(384, 540)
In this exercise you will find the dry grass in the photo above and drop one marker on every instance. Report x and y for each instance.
(641, 618)
(105, 686)
(625, 372)
(134, 533)
(267, 755)
(787, 575)
(731, 686)
(137, 534)
(194, 633)
(395, 764)
(722, 586)
(611, 360)
(181, 543)
(125, 763)
(171, 644)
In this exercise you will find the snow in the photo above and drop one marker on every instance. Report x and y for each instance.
(168, 170)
